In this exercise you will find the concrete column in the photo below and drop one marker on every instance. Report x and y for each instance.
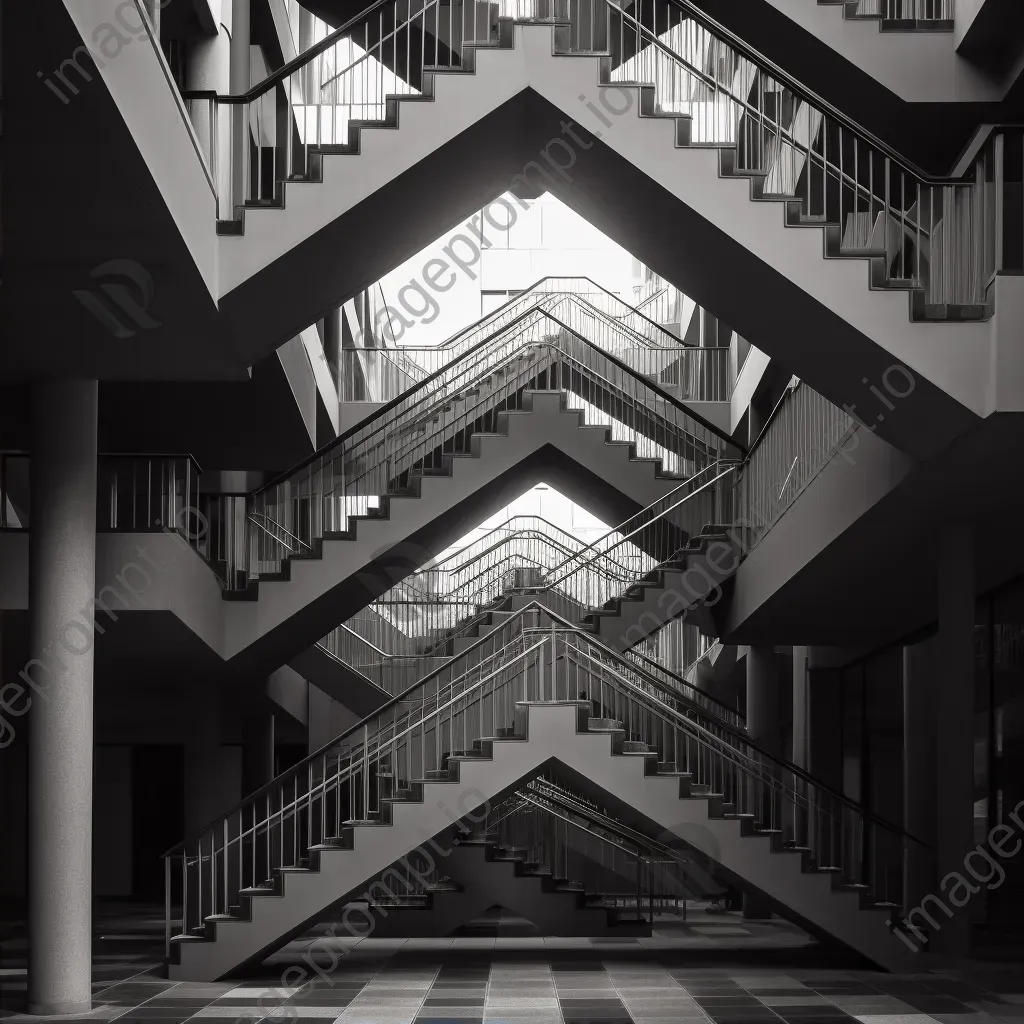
(333, 342)
(920, 806)
(241, 38)
(763, 698)
(62, 585)
(257, 751)
(208, 69)
(800, 752)
(954, 719)
(763, 728)
(204, 761)
(241, 79)
(801, 709)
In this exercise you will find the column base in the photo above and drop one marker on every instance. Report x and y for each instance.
(59, 1009)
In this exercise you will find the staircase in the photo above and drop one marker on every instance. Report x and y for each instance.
(482, 874)
(321, 832)
(745, 161)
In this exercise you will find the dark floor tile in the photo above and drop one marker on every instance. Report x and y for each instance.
(803, 1010)
(442, 1000)
(818, 1018)
(729, 1000)
(444, 1020)
(592, 1001)
(597, 1020)
(141, 1018)
(780, 992)
(935, 1003)
(740, 1013)
(168, 1012)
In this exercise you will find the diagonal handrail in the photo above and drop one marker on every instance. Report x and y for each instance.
(632, 531)
(381, 416)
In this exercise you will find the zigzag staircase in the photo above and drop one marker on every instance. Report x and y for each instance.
(547, 700)
(716, 127)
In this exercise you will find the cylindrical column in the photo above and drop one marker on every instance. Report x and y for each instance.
(763, 728)
(62, 586)
(920, 806)
(800, 754)
(332, 342)
(801, 709)
(954, 718)
(257, 751)
(241, 79)
(763, 698)
(204, 792)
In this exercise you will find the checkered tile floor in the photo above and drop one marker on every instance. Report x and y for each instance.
(530, 980)
(490, 987)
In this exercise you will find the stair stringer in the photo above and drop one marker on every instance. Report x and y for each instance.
(688, 588)
(310, 579)
(554, 736)
(807, 896)
(306, 894)
(460, 98)
(954, 357)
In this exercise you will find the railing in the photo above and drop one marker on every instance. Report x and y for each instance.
(134, 493)
(944, 238)
(419, 432)
(392, 672)
(839, 832)
(803, 433)
(925, 14)
(678, 872)
(698, 374)
(430, 603)
(413, 737)
(660, 531)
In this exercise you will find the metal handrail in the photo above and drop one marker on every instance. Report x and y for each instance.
(664, 512)
(253, 518)
(807, 94)
(694, 12)
(360, 726)
(744, 738)
(535, 288)
(380, 415)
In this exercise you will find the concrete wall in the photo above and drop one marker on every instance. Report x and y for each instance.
(139, 82)
(841, 493)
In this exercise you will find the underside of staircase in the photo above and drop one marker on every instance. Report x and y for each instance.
(641, 182)
(481, 874)
(556, 736)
